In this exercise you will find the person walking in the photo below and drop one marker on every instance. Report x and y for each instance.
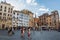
(29, 33)
(22, 32)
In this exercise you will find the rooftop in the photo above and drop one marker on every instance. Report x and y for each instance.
(4, 3)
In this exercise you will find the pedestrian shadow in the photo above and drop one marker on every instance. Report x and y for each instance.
(25, 38)
(30, 38)
(22, 38)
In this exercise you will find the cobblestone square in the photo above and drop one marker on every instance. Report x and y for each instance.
(35, 35)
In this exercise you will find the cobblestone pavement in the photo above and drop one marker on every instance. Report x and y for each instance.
(35, 35)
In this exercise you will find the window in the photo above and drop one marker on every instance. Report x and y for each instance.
(4, 18)
(17, 17)
(5, 9)
(4, 14)
(40, 19)
(13, 25)
(20, 20)
(21, 14)
(42, 23)
(50, 23)
(24, 24)
(14, 17)
(17, 14)
(8, 14)
(10, 18)
(11, 15)
(0, 17)
(11, 10)
(0, 8)
(27, 24)
(8, 10)
(55, 23)
(0, 13)
(14, 13)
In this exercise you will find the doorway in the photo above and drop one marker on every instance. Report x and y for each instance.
(3, 26)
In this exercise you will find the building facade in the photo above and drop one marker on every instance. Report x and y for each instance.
(31, 20)
(6, 11)
(31, 23)
(48, 19)
(15, 18)
(51, 20)
(21, 18)
(42, 19)
(55, 19)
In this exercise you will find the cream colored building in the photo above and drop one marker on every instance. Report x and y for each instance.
(22, 18)
(31, 19)
(6, 11)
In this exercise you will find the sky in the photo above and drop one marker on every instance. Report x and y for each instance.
(38, 7)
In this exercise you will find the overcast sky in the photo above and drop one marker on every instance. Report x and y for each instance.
(38, 7)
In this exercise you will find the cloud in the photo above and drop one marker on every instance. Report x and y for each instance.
(34, 3)
(22, 5)
(28, 1)
(31, 5)
(43, 9)
(31, 2)
(19, 7)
